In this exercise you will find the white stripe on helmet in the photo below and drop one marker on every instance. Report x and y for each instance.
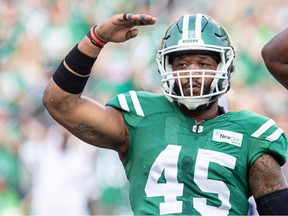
(198, 27)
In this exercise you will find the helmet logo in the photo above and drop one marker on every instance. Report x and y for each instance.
(190, 40)
(191, 34)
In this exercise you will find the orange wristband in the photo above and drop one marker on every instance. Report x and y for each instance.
(95, 39)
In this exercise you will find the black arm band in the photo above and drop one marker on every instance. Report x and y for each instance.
(79, 62)
(69, 81)
(275, 203)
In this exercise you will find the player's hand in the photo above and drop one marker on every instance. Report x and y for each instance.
(119, 28)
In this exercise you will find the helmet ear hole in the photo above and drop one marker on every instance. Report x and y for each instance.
(232, 69)
(222, 84)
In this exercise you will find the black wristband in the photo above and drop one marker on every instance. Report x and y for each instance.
(79, 62)
(69, 81)
(274, 203)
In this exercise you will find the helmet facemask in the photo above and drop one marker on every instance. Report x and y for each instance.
(178, 41)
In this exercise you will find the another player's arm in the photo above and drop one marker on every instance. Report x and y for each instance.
(87, 119)
(275, 56)
(268, 186)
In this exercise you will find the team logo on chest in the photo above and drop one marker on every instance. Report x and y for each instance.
(227, 137)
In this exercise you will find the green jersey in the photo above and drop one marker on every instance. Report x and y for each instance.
(176, 166)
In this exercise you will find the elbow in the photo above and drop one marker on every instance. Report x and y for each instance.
(269, 57)
(57, 102)
(265, 53)
(47, 101)
(52, 99)
(53, 106)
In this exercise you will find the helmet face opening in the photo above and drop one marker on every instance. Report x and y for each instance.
(195, 34)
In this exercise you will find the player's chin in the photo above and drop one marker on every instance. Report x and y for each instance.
(196, 91)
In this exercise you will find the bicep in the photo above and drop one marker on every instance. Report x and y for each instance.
(87, 119)
(266, 176)
(97, 124)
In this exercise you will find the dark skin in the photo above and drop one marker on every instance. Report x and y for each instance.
(196, 62)
(104, 126)
(265, 176)
(275, 56)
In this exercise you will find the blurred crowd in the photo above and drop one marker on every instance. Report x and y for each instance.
(45, 170)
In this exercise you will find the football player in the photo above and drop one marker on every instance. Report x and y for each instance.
(275, 56)
(181, 152)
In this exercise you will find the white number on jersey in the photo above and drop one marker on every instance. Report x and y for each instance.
(204, 157)
(167, 162)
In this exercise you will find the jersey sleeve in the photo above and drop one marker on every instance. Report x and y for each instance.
(130, 106)
(268, 138)
(137, 105)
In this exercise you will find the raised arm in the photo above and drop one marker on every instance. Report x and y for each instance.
(87, 119)
(275, 56)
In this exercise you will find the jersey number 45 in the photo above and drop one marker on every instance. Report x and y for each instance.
(167, 160)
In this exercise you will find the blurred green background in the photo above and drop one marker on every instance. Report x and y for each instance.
(45, 170)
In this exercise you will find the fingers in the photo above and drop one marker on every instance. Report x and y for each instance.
(142, 19)
(139, 19)
(127, 16)
(120, 27)
(131, 34)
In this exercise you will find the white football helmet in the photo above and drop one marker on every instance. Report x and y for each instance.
(195, 33)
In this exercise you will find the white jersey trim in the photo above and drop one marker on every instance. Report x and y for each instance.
(123, 102)
(263, 128)
(136, 103)
(274, 136)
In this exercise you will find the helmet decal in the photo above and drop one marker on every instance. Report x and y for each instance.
(196, 33)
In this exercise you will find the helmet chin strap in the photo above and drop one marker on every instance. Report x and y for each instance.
(193, 104)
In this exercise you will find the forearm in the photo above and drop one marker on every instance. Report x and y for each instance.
(90, 121)
(65, 88)
(62, 96)
(71, 76)
(274, 203)
(74, 71)
(275, 56)
(75, 67)
(88, 48)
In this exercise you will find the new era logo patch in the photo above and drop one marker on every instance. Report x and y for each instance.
(227, 137)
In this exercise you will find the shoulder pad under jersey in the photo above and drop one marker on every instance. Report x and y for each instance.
(141, 103)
